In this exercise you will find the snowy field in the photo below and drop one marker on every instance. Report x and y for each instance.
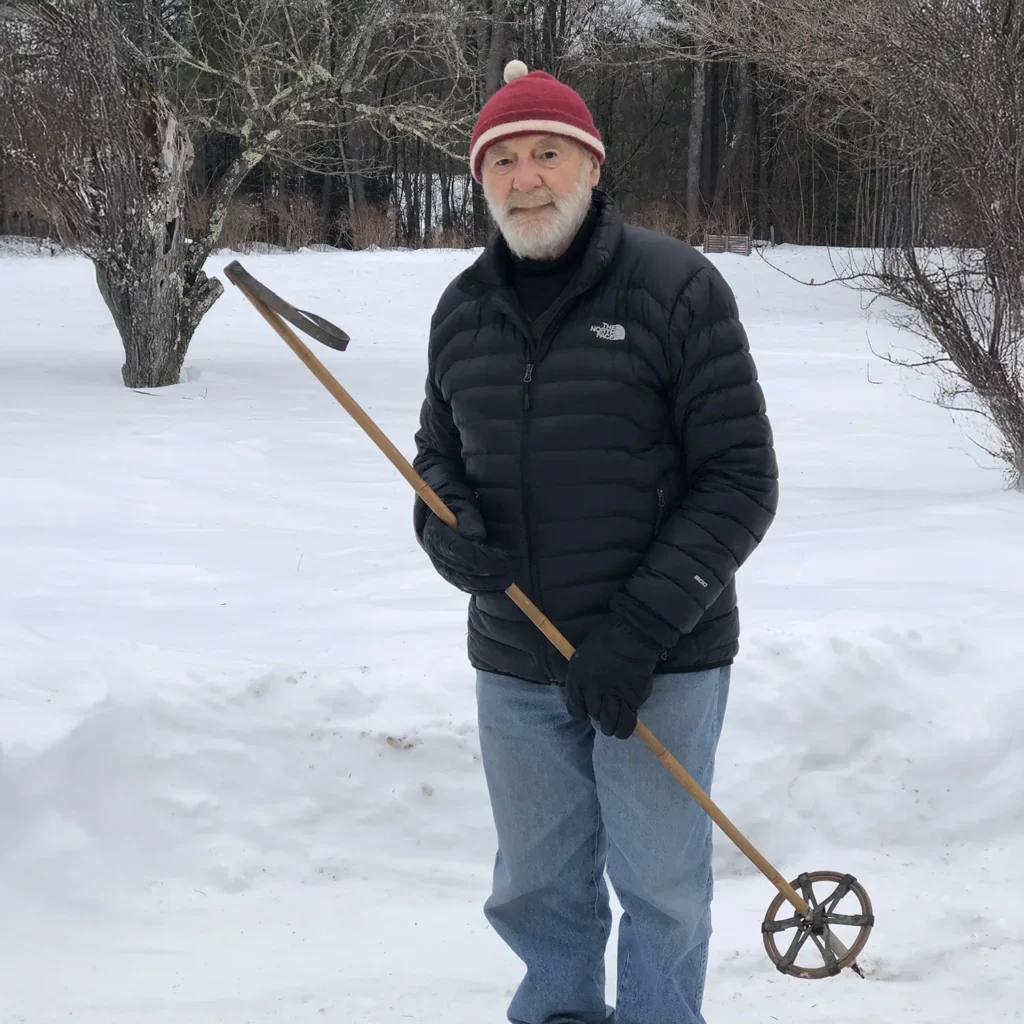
(239, 776)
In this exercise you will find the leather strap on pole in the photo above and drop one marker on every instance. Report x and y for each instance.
(309, 323)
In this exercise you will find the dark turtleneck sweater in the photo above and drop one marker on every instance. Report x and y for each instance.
(538, 284)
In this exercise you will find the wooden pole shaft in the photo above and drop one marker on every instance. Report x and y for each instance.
(535, 615)
(353, 408)
(686, 780)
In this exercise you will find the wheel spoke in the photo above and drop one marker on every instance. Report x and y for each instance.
(794, 948)
(841, 890)
(826, 951)
(784, 925)
(807, 887)
(852, 920)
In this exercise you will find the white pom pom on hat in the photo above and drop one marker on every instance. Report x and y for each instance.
(515, 69)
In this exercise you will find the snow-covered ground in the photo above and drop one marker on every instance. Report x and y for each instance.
(239, 778)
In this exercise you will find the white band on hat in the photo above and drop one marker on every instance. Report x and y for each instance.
(531, 127)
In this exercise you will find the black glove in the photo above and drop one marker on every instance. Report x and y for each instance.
(611, 674)
(460, 556)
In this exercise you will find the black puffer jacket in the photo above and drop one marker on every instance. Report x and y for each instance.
(624, 451)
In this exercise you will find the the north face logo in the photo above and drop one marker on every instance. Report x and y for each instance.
(610, 332)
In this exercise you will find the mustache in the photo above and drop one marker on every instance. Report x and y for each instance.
(531, 200)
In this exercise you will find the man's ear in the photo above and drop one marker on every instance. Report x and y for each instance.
(595, 170)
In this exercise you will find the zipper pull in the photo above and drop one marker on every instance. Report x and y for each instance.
(527, 377)
(661, 498)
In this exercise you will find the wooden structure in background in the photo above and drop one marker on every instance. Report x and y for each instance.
(738, 244)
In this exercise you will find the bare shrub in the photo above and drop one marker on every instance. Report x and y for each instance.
(926, 98)
(370, 227)
(298, 219)
(244, 223)
(449, 238)
(663, 216)
(24, 212)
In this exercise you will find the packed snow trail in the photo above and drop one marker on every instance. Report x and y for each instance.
(239, 777)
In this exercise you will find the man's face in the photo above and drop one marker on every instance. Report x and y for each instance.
(538, 188)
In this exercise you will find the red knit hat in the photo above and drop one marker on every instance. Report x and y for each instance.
(532, 101)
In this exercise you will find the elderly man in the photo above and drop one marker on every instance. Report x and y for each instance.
(593, 418)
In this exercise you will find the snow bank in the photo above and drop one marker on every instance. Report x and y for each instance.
(239, 777)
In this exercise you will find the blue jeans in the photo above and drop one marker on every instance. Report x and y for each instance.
(570, 803)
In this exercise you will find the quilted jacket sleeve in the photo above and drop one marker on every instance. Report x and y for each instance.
(438, 456)
(731, 471)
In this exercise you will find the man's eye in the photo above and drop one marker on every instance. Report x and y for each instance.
(549, 155)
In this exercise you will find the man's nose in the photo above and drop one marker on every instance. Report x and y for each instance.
(526, 178)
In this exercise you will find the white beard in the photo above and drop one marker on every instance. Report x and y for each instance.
(545, 235)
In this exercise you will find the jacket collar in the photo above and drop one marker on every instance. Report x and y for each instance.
(491, 268)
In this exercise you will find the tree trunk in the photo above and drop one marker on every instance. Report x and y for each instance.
(742, 145)
(283, 233)
(1008, 412)
(349, 147)
(148, 279)
(762, 157)
(447, 217)
(813, 174)
(719, 132)
(147, 310)
(731, 193)
(712, 115)
(155, 310)
(549, 36)
(153, 280)
(492, 82)
(327, 225)
(696, 138)
(496, 48)
(428, 207)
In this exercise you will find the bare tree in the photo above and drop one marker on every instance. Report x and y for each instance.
(386, 145)
(696, 129)
(346, 121)
(928, 99)
(954, 258)
(102, 101)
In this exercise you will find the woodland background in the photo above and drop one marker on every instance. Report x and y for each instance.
(696, 139)
(146, 134)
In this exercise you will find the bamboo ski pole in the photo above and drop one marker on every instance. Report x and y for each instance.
(536, 616)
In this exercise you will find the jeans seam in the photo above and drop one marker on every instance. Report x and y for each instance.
(595, 880)
(708, 893)
(625, 974)
(702, 974)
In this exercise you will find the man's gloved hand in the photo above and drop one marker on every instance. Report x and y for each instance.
(611, 674)
(461, 557)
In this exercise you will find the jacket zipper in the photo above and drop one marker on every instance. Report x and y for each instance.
(544, 341)
(538, 350)
(536, 347)
(658, 521)
(524, 484)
